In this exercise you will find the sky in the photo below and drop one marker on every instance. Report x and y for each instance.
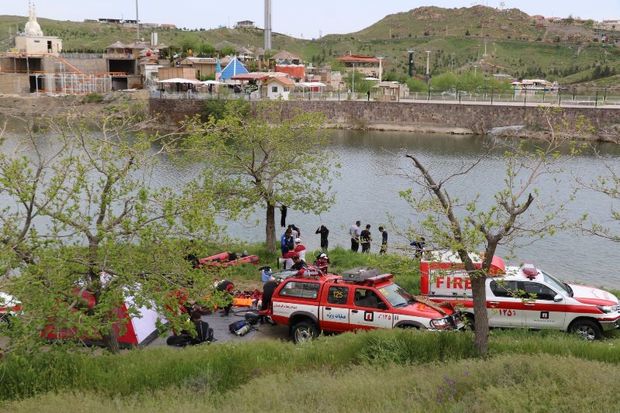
(305, 19)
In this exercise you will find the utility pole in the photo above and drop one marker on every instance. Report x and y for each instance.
(380, 68)
(410, 64)
(353, 79)
(428, 63)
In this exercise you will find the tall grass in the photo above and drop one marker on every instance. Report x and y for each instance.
(223, 368)
(507, 383)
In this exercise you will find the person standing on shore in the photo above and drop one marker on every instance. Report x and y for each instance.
(365, 239)
(295, 231)
(287, 242)
(384, 240)
(355, 232)
(324, 234)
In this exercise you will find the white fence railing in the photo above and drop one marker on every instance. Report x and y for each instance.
(551, 99)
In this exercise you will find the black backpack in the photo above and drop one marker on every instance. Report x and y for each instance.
(239, 328)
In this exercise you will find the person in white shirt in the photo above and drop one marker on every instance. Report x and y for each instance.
(355, 231)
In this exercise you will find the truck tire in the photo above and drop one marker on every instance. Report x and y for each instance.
(586, 329)
(409, 327)
(304, 331)
(468, 320)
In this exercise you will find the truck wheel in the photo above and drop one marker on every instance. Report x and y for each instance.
(586, 329)
(408, 327)
(5, 318)
(468, 320)
(304, 331)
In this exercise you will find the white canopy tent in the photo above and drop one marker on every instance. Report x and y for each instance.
(177, 80)
(308, 85)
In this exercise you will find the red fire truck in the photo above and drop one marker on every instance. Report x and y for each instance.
(359, 299)
(521, 296)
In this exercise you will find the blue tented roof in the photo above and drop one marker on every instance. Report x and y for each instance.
(233, 68)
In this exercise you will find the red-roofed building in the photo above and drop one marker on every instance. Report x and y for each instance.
(297, 72)
(368, 65)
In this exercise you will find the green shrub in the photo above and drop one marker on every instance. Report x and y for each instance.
(93, 98)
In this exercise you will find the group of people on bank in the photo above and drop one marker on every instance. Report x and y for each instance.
(294, 252)
(292, 248)
(363, 237)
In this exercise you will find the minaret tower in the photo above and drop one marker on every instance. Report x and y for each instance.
(32, 27)
(267, 25)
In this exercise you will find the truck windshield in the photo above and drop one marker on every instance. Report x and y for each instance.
(557, 284)
(396, 295)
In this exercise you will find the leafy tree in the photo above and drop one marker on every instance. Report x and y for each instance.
(417, 85)
(360, 85)
(445, 81)
(205, 49)
(608, 185)
(228, 51)
(267, 158)
(87, 218)
(464, 227)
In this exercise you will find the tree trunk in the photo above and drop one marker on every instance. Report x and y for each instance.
(270, 228)
(111, 342)
(481, 321)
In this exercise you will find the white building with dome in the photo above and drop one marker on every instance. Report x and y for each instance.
(33, 42)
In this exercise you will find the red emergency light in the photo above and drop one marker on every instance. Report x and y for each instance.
(378, 279)
(530, 271)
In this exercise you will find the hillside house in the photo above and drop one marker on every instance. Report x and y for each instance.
(267, 85)
(245, 24)
(204, 67)
(123, 63)
(369, 66)
(277, 87)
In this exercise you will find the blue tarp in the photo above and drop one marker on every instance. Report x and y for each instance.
(235, 67)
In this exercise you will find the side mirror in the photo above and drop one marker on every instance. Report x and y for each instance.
(558, 298)
(382, 306)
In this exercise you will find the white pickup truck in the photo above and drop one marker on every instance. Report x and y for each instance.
(521, 296)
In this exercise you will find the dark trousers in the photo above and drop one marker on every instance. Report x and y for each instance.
(355, 245)
(366, 247)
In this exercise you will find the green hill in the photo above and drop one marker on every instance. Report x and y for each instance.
(515, 43)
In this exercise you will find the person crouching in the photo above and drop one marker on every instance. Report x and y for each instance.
(227, 287)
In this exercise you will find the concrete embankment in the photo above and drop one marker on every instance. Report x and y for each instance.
(432, 117)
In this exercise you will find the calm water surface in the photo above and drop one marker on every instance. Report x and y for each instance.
(369, 182)
(371, 177)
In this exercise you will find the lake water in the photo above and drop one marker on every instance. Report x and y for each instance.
(369, 182)
(371, 178)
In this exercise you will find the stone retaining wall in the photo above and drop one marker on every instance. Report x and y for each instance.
(466, 118)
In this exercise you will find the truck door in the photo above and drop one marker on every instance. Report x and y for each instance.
(369, 310)
(541, 310)
(504, 304)
(335, 310)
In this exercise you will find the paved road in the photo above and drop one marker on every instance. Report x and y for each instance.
(220, 324)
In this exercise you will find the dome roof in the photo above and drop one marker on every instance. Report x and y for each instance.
(32, 28)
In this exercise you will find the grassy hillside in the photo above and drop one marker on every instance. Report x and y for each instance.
(515, 43)
(380, 371)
